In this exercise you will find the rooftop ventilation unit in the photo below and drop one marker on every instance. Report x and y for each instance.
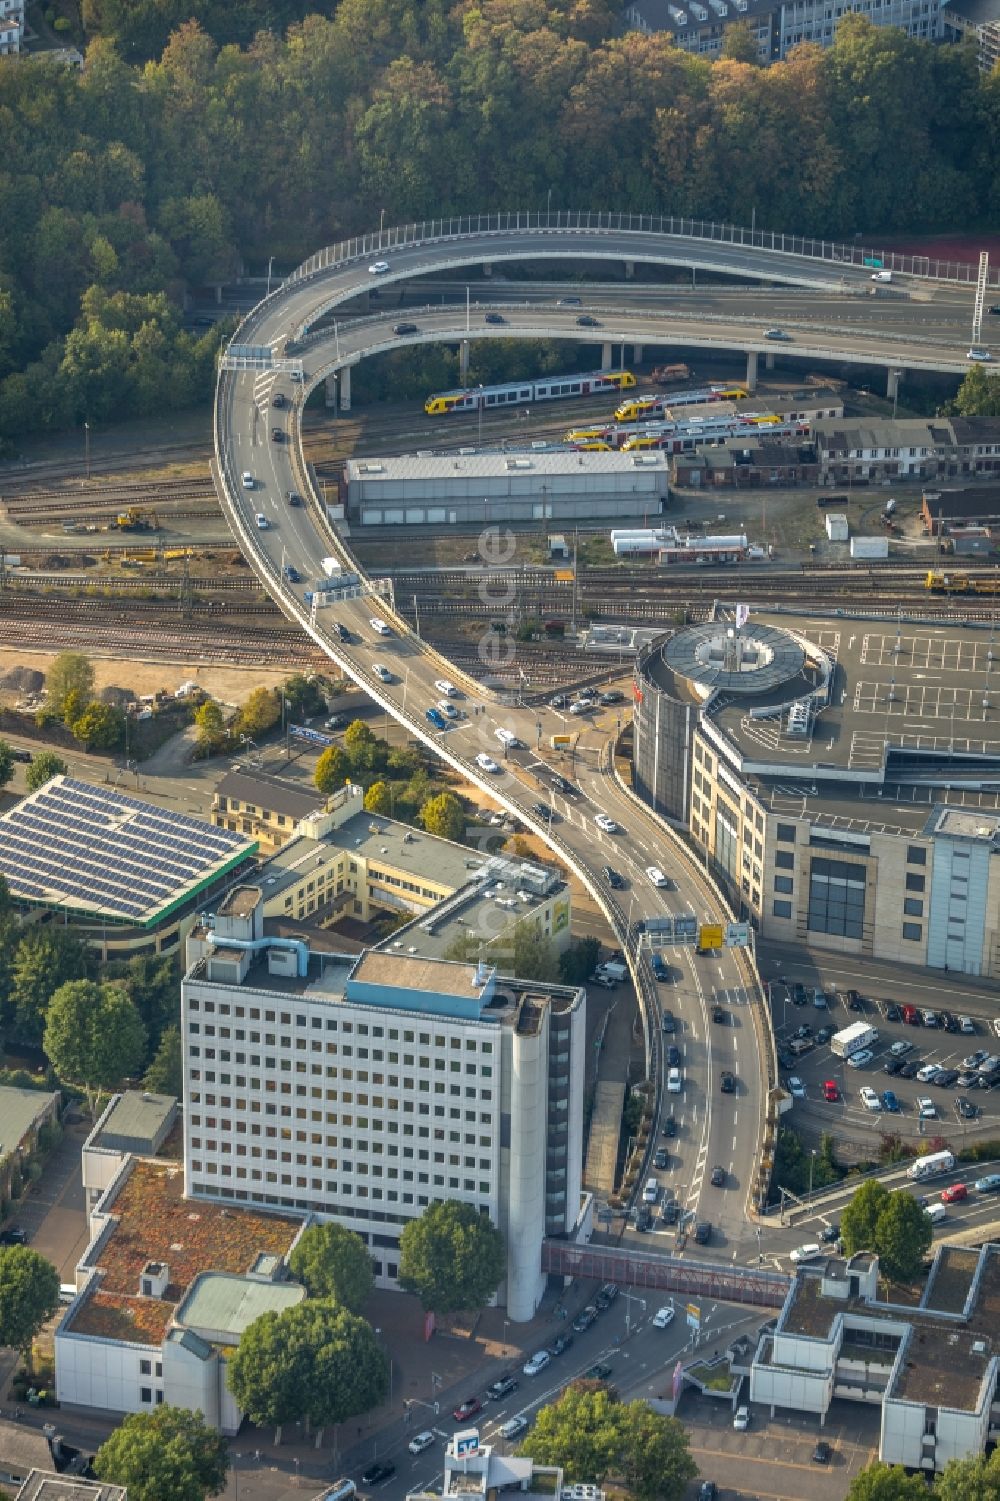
(518, 464)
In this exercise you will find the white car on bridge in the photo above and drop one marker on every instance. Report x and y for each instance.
(486, 763)
(378, 268)
(664, 1317)
(606, 824)
(448, 689)
(380, 626)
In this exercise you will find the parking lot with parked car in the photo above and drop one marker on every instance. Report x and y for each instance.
(926, 1065)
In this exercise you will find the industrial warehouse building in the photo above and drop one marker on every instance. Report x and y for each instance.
(775, 25)
(841, 778)
(364, 1087)
(484, 489)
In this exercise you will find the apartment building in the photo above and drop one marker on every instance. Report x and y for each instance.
(362, 1088)
(868, 452)
(776, 25)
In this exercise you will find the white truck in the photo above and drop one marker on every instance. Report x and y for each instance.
(930, 1165)
(852, 1039)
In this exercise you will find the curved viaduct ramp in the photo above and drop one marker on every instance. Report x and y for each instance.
(304, 536)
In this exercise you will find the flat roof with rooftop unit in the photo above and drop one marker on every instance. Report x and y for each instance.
(935, 1363)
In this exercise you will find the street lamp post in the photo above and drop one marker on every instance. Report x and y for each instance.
(812, 1160)
(270, 263)
(548, 206)
(86, 447)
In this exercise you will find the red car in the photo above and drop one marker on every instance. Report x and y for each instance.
(830, 1091)
(954, 1194)
(467, 1409)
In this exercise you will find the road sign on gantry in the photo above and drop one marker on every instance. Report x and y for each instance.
(737, 935)
(710, 936)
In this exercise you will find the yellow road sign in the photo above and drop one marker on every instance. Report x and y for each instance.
(710, 936)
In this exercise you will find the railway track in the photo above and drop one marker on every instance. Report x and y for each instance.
(248, 647)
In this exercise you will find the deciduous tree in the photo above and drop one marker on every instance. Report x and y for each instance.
(378, 798)
(578, 960)
(29, 1295)
(902, 1237)
(169, 1454)
(452, 1257)
(882, 1482)
(315, 1360)
(93, 1035)
(210, 726)
(6, 763)
(46, 765)
(333, 769)
(974, 1479)
(100, 726)
(334, 1263)
(594, 1436)
(860, 1217)
(71, 672)
(444, 816)
(45, 958)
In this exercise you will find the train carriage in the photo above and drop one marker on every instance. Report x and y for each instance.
(517, 393)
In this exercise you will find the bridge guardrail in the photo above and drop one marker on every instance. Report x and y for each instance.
(832, 252)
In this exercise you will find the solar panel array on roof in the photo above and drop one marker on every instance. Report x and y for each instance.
(104, 849)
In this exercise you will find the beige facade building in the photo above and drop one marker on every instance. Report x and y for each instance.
(841, 777)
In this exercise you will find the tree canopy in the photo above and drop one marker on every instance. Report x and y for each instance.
(93, 1035)
(46, 765)
(315, 1360)
(595, 1437)
(891, 1224)
(882, 1482)
(45, 958)
(70, 673)
(334, 1263)
(162, 163)
(29, 1295)
(444, 816)
(452, 1257)
(169, 1454)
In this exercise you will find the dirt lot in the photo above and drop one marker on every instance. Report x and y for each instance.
(229, 684)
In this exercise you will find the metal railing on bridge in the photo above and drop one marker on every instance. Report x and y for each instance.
(466, 226)
(728, 1283)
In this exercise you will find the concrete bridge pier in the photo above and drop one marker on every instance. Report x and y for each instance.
(463, 362)
(345, 389)
(637, 354)
(331, 391)
(606, 355)
(751, 381)
(769, 360)
(629, 270)
(892, 384)
(487, 268)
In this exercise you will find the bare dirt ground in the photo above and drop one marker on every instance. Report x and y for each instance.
(232, 685)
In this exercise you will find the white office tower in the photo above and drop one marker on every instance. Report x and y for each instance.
(362, 1088)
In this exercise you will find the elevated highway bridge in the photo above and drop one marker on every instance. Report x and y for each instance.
(294, 339)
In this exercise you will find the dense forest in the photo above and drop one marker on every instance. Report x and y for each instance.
(177, 154)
